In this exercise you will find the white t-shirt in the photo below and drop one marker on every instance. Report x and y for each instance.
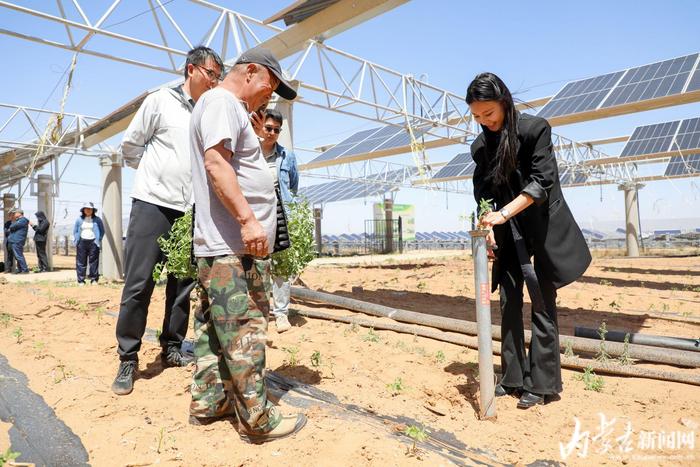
(220, 116)
(86, 232)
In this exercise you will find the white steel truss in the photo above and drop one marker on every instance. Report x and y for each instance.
(20, 159)
(329, 78)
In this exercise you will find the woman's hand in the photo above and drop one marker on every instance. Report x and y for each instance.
(491, 218)
(490, 245)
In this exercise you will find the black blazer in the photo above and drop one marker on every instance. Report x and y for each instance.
(41, 229)
(551, 233)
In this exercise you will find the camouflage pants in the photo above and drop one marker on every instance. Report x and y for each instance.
(230, 327)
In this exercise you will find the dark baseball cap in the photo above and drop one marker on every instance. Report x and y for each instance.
(264, 57)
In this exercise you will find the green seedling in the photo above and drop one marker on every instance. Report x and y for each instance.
(18, 333)
(605, 282)
(39, 347)
(5, 319)
(614, 305)
(159, 438)
(422, 285)
(292, 353)
(71, 302)
(591, 381)
(440, 357)
(63, 373)
(8, 456)
(418, 435)
(316, 359)
(100, 313)
(351, 329)
(603, 355)
(371, 336)
(569, 349)
(158, 333)
(484, 208)
(396, 387)
(625, 359)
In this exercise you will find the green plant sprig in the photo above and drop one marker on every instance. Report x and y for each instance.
(176, 246)
(291, 262)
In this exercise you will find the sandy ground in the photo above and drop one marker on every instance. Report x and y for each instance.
(62, 337)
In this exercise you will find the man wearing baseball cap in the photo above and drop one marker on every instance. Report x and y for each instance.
(234, 231)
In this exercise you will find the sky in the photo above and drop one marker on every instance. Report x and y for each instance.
(535, 47)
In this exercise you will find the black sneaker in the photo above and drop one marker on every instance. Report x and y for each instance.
(175, 357)
(124, 382)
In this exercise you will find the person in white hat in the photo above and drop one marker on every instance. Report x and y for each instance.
(88, 231)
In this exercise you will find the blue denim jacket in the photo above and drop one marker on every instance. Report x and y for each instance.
(18, 231)
(97, 228)
(287, 173)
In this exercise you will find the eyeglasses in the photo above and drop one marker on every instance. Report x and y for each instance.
(211, 74)
(270, 128)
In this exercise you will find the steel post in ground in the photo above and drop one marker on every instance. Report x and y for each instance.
(487, 397)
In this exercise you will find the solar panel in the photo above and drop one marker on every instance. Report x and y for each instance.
(579, 96)
(571, 176)
(342, 190)
(683, 165)
(650, 139)
(694, 84)
(342, 147)
(661, 138)
(688, 136)
(656, 80)
(461, 165)
(368, 141)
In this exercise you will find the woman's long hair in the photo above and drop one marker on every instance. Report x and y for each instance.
(489, 87)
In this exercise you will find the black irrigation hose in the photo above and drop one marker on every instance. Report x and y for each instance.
(36, 432)
(579, 344)
(680, 343)
(472, 342)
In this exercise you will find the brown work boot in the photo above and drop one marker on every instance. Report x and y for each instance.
(289, 424)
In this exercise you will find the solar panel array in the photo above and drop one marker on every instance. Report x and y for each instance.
(342, 190)
(462, 165)
(661, 138)
(660, 79)
(679, 166)
(571, 176)
(368, 141)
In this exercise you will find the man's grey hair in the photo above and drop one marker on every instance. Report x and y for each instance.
(199, 56)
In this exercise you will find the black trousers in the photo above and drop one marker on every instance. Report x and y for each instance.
(41, 256)
(87, 252)
(538, 371)
(10, 265)
(147, 222)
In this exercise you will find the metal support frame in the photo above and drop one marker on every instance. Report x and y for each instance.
(329, 78)
(20, 160)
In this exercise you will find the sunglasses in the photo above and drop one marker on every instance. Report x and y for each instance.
(276, 130)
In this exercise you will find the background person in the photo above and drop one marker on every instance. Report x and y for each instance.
(41, 230)
(283, 166)
(516, 168)
(156, 143)
(10, 264)
(88, 231)
(18, 236)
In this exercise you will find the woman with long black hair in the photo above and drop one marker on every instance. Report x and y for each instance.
(517, 171)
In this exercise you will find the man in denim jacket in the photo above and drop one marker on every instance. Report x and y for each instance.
(18, 236)
(283, 165)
